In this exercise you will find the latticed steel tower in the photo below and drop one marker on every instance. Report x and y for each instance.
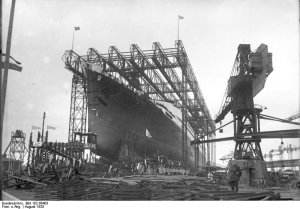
(155, 73)
(16, 148)
(246, 81)
(78, 109)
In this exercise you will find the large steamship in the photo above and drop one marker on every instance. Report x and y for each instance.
(114, 110)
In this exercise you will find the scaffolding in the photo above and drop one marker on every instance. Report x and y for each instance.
(160, 73)
(16, 151)
(78, 109)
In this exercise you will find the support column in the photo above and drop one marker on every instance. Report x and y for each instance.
(78, 108)
(246, 121)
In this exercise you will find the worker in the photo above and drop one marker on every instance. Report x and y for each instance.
(210, 176)
(234, 177)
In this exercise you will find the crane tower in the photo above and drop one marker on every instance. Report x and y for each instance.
(247, 79)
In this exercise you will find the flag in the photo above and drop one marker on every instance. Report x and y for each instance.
(148, 134)
(180, 17)
(50, 127)
(35, 128)
(77, 28)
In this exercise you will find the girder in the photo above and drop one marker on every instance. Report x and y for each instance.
(160, 58)
(184, 62)
(73, 62)
(292, 133)
(139, 61)
(78, 108)
(151, 71)
(117, 61)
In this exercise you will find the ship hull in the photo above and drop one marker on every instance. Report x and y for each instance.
(116, 113)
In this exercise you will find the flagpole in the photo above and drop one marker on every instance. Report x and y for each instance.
(73, 38)
(178, 30)
(3, 83)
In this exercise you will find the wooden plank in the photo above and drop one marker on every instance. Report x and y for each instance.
(28, 180)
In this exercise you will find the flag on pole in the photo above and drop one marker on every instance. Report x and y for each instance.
(35, 127)
(148, 134)
(77, 28)
(180, 17)
(51, 127)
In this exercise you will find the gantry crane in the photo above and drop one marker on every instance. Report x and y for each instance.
(282, 162)
(247, 79)
(281, 149)
(160, 73)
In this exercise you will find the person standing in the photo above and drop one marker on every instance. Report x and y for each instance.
(234, 177)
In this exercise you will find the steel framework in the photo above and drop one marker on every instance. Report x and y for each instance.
(161, 74)
(247, 79)
(16, 148)
(78, 109)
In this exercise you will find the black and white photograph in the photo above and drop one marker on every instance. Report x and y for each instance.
(108, 102)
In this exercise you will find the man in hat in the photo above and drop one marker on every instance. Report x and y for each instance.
(234, 177)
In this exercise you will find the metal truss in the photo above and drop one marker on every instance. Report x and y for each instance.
(247, 122)
(160, 73)
(78, 109)
(198, 103)
(16, 148)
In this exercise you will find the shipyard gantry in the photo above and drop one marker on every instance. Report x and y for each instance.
(160, 73)
(156, 138)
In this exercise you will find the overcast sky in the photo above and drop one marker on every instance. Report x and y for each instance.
(211, 32)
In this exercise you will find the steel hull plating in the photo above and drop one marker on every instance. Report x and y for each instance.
(114, 110)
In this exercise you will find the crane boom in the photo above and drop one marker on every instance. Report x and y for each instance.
(248, 67)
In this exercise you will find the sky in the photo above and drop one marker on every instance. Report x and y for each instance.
(210, 31)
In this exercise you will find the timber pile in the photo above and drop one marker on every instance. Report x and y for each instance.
(78, 189)
(144, 188)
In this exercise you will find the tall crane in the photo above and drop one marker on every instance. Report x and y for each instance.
(289, 149)
(247, 79)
